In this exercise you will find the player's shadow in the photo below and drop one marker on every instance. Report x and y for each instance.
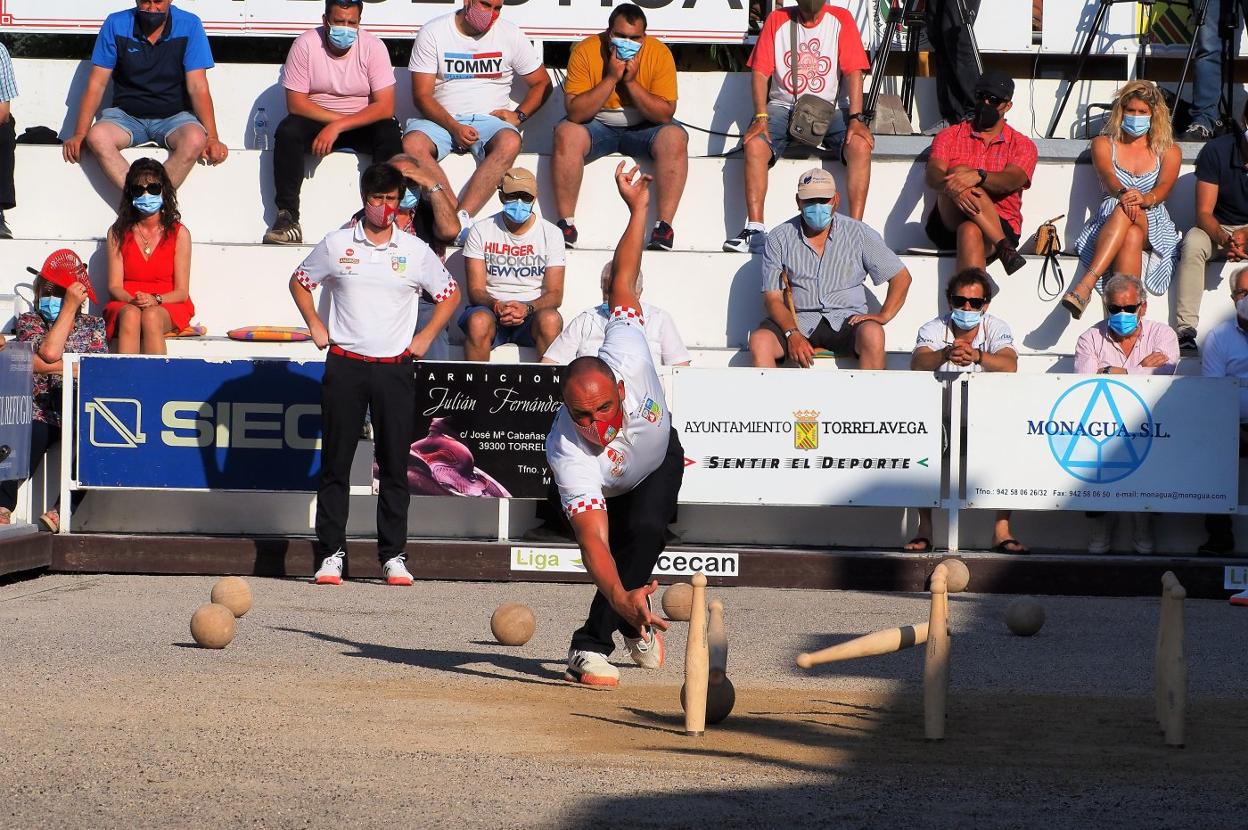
(454, 662)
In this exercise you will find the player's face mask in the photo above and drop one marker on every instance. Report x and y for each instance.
(379, 216)
(601, 433)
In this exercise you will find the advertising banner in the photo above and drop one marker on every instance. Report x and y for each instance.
(481, 429)
(783, 436)
(199, 424)
(1103, 442)
(16, 406)
(704, 21)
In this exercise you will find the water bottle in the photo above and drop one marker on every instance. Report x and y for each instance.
(260, 130)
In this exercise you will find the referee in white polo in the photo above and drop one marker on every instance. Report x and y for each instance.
(618, 464)
(373, 274)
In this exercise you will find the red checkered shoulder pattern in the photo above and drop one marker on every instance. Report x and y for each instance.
(584, 505)
(446, 293)
(301, 276)
(627, 313)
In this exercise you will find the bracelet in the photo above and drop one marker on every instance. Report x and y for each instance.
(761, 116)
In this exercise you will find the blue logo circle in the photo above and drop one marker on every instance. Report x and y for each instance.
(1100, 431)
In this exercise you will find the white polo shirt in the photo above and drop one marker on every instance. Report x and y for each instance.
(374, 288)
(992, 335)
(1225, 355)
(586, 473)
(585, 333)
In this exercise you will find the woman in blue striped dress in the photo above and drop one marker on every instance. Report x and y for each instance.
(1137, 162)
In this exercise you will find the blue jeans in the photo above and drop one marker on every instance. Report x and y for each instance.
(144, 130)
(778, 132)
(634, 141)
(487, 126)
(1207, 74)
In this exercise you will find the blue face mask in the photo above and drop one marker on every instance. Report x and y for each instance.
(625, 49)
(1136, 124)
(410, 199)
(49, 308)
(817, 216)
(343, 37)
(147, 204)
(518, 210)
(1123, 323)
(604, 309)
(966, 319)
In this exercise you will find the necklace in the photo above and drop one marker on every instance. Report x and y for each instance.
(147, 242)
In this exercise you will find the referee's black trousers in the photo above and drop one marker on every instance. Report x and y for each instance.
(349, 389)
(293, 140)
(637, 524)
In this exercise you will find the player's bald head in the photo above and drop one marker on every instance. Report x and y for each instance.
(585, 372)
(590, 390)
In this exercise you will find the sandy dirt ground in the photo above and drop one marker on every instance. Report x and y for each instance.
(370, 706)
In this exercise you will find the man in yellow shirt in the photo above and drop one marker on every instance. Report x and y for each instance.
(620, 95)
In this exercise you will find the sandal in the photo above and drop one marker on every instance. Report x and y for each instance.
(6, 516)
(1010, 546)
(52, 520)
(924, 545)
(1075, 304)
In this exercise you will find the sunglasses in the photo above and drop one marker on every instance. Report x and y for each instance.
(994, 100)
(1239, 293)
(511, 197)
(153, 189)
(958, 301)
(1118, 309)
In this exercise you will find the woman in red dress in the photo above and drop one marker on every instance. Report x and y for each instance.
(149, 264)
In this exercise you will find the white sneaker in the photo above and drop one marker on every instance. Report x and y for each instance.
(592, 669)
(330, 572)
(465, 225)
(395, 572)
(648, 655)
(1142, 533)
(1102, 537)
(1240, 599)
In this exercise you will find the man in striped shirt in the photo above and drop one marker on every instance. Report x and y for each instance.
(821, 261)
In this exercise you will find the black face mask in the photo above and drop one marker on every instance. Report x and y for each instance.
(985, 116)
(150, 21)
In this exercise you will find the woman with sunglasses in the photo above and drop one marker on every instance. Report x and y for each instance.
(1137, 162)
(149, 263)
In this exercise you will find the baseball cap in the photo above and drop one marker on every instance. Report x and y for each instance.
(519, 180)
(816, 184)
(995, 82)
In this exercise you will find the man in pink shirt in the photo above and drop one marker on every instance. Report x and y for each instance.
(340, 95)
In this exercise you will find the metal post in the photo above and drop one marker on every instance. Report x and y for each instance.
(69, 439)
(953, 504)
(504, 519)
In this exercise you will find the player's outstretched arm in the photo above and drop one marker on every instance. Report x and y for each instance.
(634, 187)
(591, 534)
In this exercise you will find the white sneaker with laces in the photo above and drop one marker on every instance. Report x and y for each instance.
(1240, 599)
(1102, 537)
(648, 655)
(395, 572)
(330, 572)
(465, 225)
(591, 669)
(1142, 533)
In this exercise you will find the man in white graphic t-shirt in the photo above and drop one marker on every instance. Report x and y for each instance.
(831, 63)
(462, 69)
(514, 262)
(614, 455)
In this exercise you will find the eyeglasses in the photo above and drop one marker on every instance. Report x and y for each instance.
(511, 197)
(958, 301)
(1118, 309)
(153, 189)
(1239, 293)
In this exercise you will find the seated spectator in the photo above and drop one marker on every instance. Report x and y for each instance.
(826, 260)
(1221, 230)
(1137, 162)
(514, 262)
(1124, 343)
(56, 326)
(979, 170)
(966, 339)
(158, 58)
(8, 140)
(620, 96)
(339, 94)
(831, 63)
(584, 335)
(1226, 356)
(149, 263)
(462, 67)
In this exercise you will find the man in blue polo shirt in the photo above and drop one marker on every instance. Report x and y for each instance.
(158, 58)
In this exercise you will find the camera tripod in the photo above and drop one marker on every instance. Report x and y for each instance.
(1232, 12)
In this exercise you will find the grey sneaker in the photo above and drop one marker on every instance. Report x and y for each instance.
(285, 230)
(1196, 132)
(1187, 342)
(748, 241)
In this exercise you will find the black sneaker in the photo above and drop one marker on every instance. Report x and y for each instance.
(5, 233)
(569, 233)
(749, 240)
(1217, 546)
(1009, 256)
(1196, 132)
(1187, 342)
(662, 237)
(285, 230)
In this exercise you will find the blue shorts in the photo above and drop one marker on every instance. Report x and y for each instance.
(148, 130)
(521, 335)
(778, 131)
(487, 127)
(627, 141)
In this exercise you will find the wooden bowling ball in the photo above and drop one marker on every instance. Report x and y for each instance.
(678, 601)
(959, 575)
(213, 625)
(720, 698)
(233, 593)
(1024, 617)
(513, 624)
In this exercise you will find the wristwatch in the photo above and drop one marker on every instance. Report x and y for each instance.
(529, 309)
(160, 300)
(790, 332)
(859, 116)
(983, 175)
(520, 114)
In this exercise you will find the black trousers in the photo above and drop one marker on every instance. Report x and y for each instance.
(293, 141)
(8, 147)
(954, 53)
(43, 437)
(389, 390)
(637, 523)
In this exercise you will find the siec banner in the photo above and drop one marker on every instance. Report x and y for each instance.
(699, 21)
(1103, 442)
(199, 424)
(786, 436)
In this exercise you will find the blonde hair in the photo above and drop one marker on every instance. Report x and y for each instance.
(1160, 133)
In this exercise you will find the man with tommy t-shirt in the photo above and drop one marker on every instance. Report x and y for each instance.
(514, 261)
(830, 63)
(462, 69)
